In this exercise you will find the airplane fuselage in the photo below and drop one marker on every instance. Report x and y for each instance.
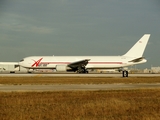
(95, 62)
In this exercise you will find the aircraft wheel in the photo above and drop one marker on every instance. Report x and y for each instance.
(125, 73)
(82, 70)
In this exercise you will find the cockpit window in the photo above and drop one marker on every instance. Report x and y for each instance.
(22, 60)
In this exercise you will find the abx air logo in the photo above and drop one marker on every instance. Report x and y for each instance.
(36, 63)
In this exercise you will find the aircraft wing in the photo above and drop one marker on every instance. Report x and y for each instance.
(79, 63)
(137, 59)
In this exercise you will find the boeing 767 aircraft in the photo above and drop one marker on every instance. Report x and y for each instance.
(81, 64)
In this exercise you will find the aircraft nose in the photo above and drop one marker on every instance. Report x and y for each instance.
(21, 62)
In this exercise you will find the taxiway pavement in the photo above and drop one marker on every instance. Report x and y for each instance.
(77, 87)
(76, 75)
(72, 87)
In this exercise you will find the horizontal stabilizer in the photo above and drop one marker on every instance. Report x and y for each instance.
(137, 59)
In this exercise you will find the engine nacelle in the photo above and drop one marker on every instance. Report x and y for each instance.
(61, 68)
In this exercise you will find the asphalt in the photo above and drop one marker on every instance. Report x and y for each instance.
(75, 75)
(77, 87)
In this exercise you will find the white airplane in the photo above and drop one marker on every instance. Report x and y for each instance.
(81, 64)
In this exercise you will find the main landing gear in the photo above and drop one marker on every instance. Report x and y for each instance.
(82, 70)
(124, 73)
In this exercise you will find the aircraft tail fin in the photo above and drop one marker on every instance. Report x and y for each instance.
(138, 49)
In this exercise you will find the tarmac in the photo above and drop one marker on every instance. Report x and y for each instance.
(77, 87)
(74, 75)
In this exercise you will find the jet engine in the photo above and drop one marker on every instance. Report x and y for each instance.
(62, 68)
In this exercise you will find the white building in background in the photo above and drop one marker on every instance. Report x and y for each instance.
(11, 67)
(147, 70)
(155, 69)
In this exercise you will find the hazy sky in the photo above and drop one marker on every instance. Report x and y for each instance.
(78, 27)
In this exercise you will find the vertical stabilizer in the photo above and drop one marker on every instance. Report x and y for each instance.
(138, 49)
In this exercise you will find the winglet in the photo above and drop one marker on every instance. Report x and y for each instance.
(138, 49)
